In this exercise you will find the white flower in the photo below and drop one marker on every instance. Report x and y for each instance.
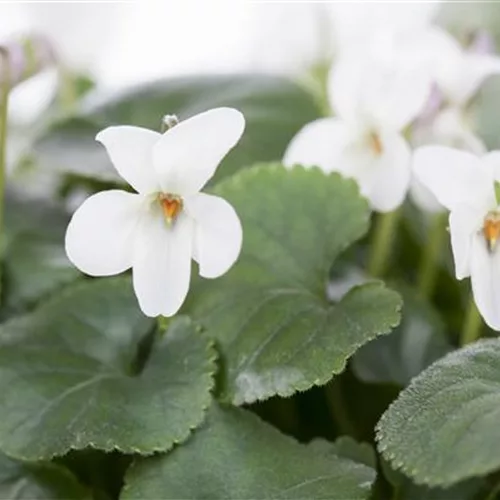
(374, 100)
(169, 222)
(467, 185)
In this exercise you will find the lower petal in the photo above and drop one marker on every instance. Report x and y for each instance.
(218, 233)
(391, 174)
(465, 222)
(162, 264)
(100, 235)
(319, 144)
(485, 278)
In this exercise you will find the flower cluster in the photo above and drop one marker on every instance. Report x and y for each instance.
(392, 97)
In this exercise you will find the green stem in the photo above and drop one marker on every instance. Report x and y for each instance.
(429, 268)
(338, 409)
(385, 230)
(472, 324)
(68, 96)
(4, 103)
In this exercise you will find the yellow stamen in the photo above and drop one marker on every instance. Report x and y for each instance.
(491, 230)
(171, 206)
(376, 143)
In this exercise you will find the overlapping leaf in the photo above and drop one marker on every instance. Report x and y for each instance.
(70, 376)
(235, 455)
(270, 315)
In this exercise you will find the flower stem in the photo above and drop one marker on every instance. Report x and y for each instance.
(338, 409)
(428, 269)
(4, 102)
(383, 238)
(472, 324)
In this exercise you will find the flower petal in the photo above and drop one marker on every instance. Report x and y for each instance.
(465, 222)
(318, 143)
(383, 176)
(162, 263)
(218, 233)
(454, 177)
(188, 154)
(485, 278)
(100, 235)
(397, 92)
(423, 197)
(131, 152)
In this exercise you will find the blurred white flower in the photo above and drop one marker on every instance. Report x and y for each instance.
(158, 231)
(467, 185)
(374, 101)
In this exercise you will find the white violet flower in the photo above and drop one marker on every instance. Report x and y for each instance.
(374, 101)
(157, 231)
(468, 186)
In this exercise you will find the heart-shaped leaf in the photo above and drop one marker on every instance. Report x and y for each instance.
(69, 376)
(275, 110)
(270, 315)
(236, 455)
(443, 428)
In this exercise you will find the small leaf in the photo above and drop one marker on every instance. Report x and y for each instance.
(270, 314)
(443, 428)
(35, 261)
(68, 377)
(275, 110)
(236, 455)
(38, 481)
(398, 357)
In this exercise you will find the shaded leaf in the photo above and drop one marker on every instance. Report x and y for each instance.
(236, 455)
(275, 110)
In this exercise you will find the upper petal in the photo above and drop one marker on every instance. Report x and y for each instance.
(396, 93)
(465, 222)
(218, 233)
(318, 143)
(131, 152)
(162, 263)
(188, 154)
(485, 279)
(455, 177)
(100, 235)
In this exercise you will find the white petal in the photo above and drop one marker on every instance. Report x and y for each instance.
(454, 177)
(392, 173)
(491, 161)
(383, 177)
(465, 222)
(131, 152)
(100, 235)
(318, 143)
(485, 278)
(188, 154)
(396, 93)
(218, 233)
(423, 198)
(162, 263)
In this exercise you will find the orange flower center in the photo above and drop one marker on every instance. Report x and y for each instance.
(491, 229)
(375, 143)
(171, 206)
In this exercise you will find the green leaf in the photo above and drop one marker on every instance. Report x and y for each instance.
(35, 261)
(270, 315)
(443, 428)
(69, 376)
(38, 481)
(236, 455)
(275, 110)
(416, 343)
